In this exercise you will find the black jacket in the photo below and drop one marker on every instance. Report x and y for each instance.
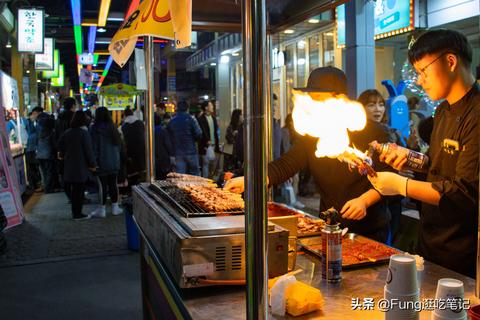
(62, 123)
(448, 232)
(202, 144)
(75, 147)
(335, 182)
(163, 152)
(134, 137)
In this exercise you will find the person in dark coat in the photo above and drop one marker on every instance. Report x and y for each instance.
(184, 131)
(209, 125)
(62, 124)
(46, 150)
(163, 151)
(107, 147)
(75, 149)
(361, 207)
(31, 127)
(133, 133)
(231, 155)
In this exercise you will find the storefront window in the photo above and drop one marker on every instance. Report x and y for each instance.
(301, 62)
(313, 52)
(328, 49)
(290, 73)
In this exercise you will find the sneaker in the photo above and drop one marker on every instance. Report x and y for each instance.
(100, 212)
(82, 217)
(116, 210)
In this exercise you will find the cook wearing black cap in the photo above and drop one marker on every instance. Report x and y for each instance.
(449, 215)
(362, 208)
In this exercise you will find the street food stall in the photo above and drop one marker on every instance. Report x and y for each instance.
(116, 97)
(208, 254)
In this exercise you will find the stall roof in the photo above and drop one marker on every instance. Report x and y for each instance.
(225, 15)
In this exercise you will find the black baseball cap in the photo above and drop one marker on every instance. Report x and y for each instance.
(326, 79)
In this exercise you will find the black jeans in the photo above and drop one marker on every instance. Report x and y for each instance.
(47, 166)
(108, 183)
(33, 174)
(76, 191)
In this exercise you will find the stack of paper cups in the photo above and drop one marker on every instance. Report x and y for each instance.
(449, 298)
(401, 289)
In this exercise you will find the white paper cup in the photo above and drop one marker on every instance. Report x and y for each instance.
(402, 275)
(447, 290)
(402, 306)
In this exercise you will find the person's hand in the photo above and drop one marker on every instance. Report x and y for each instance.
(354, 209)
(394, 158)
(236, 185)
(389, 183)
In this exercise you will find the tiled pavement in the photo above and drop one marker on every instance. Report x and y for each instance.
(49, 232)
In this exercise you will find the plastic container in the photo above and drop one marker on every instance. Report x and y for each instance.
(133, 237)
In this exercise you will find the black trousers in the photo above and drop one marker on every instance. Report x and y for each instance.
(33, 174)
(76, 191)
(108, 184)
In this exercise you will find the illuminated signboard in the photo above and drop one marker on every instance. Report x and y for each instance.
(30, 30)
(59, 81)
(393, 17)
(56, 63)
(340, 13)
(45, 61)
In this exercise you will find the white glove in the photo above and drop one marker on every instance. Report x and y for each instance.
(389, 183)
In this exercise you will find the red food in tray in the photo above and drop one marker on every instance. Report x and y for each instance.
(356, 250)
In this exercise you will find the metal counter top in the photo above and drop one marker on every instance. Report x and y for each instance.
(229, 302)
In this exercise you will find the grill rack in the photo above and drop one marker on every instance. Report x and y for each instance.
(182, 201)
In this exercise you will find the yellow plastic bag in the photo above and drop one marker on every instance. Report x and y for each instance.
(302, 298)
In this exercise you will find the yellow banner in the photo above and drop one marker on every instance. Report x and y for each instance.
(151, 18)
(181, 11)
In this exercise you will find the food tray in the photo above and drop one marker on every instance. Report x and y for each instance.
(354, 247)
(287, 212)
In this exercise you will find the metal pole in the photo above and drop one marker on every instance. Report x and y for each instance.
(477, 277)
(269, 112)
(149, 63)
(254, 61)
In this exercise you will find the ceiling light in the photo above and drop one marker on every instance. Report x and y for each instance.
(9, 44)
(329, 34)
(289, 31)
(205, 97)
(224, 59)
(102, 42)
(301, 61)
(101, 30)
(213, 64)
(115, 19)
(301, 44)
(235, 54)
(28, 71)
(314, 20)
(39, 81)
(103, 12)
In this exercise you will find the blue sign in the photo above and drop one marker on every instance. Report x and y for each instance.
(391, 15)
(340, 25)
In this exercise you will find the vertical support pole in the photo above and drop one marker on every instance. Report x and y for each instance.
(149, 63)
(360, 46)
(269, 112)
(255, 68)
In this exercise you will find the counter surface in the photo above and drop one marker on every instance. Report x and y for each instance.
(229, 302)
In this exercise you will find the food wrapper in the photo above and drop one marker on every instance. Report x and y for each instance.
(292, 296)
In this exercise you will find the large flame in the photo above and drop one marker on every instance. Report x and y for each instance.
(327, 117)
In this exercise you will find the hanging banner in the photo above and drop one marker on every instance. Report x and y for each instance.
(56, 66)
(8, 92)
(86, 76)
(181, 12)
(59, 81)
(44, 61)
(151, 18)
(140, 73)
(30, 30)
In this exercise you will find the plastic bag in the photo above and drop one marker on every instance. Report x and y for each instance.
(277, 294)
(210, 153)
